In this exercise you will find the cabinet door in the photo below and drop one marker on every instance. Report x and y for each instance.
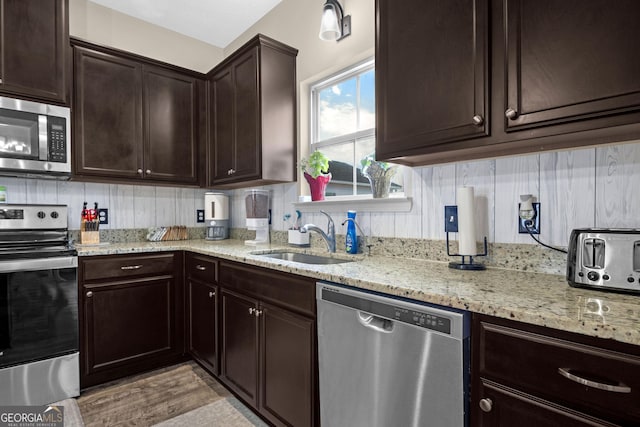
(505, 407)
(171, 119)
(239, 369)
(127, 323)
(431, 73)
(34, 50)
(287, 367)
(221, 152)
(202, 323)
(564, 61)
(107, 115)
(247, 118)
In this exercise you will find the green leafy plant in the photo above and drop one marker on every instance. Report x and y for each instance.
(316, 164)
(370, 159)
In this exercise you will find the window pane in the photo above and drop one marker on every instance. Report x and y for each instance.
(341, 168)
(367, 100)
(337, 110)
(364, 147)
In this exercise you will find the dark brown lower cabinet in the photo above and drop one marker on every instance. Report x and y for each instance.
(202, 327)
(269, 350)
(526, 375)
(131, 317)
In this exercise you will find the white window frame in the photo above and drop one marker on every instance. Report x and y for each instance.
(396, 202)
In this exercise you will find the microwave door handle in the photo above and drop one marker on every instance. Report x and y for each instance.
(43, 137)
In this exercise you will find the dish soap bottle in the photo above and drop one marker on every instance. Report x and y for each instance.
(351, 242)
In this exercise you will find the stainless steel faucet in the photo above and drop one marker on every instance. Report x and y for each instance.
(329, 237)
(362, 233)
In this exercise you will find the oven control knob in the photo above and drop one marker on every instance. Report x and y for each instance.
(54, 214)
(41, 215)
(593, 276)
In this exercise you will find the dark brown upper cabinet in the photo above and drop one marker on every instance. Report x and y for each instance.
(252, 116)
(431, 73)
(570, 60)
(133, 119)
(34, 49)
(550, 74)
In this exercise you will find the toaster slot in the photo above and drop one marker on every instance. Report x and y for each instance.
(636, 255)
(593, 253)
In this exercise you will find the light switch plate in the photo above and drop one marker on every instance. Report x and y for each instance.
(451, 219)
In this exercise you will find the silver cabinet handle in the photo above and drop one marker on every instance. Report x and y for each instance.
(148, 172)
(211, 294)
(251, 310)
(131, 267)
(621, 388)
(257, 312)
(229, 172)
(477, 120)
(486, 405)
(89, 294)
(139, 171)
(201, 268)
(511, 113)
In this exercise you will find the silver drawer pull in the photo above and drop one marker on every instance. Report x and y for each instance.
(486, 405)
(89, 294)
(201, 268)
(131, 267)
(211, 294)
(565, 372)
(251, 310)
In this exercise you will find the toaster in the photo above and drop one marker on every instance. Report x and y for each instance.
(605, 259)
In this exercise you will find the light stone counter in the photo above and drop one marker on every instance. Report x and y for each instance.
(540, 299)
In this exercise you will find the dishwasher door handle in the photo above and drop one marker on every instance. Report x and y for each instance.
(374, 322)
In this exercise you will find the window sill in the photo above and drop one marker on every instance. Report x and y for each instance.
(361, 204)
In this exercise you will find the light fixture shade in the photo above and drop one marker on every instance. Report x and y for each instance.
(330, 27)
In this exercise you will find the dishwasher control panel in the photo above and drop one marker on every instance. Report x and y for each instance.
(423, 319)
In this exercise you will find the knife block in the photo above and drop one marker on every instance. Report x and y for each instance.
(89, 237)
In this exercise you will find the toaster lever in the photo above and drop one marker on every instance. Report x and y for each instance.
(593, 253)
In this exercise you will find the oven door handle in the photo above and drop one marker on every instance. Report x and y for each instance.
(55, 263)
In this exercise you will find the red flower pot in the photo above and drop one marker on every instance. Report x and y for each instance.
(317, 185)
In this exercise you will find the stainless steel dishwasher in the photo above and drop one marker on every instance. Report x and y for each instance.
(388, 362)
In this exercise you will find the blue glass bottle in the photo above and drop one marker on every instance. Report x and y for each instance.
(351, 242)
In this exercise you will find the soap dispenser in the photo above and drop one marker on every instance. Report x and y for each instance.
(351, 242)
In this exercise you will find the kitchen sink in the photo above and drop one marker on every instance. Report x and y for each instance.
(304, 258)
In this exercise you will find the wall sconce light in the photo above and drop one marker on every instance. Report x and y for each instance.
(334, 25)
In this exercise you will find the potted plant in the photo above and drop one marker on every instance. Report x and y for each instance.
(315, 170)
(379, 175)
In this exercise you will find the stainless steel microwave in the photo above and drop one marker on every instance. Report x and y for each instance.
(35, 139)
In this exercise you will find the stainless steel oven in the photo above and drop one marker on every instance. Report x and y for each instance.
(39, 359)
(35, 139)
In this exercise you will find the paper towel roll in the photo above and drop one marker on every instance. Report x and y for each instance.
(466, 221)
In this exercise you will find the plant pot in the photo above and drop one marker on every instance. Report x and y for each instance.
(380, 179)
(317, 185)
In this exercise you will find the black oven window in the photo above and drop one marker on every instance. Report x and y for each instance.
(39, 315)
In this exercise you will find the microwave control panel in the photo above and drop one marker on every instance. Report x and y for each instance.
(57, 139)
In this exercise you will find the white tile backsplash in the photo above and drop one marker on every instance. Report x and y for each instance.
(593, 187)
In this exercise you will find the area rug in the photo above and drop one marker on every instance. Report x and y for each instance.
(223, 413)
(147, 400)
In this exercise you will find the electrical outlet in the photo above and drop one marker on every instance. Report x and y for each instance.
(103, 216)
(533, 223)
(199, 215)
(451, 219)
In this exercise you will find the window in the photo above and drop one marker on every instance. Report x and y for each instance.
(343, 127)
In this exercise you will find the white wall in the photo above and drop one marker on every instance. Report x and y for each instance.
(108, 27)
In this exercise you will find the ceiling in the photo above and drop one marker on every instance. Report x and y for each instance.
(217, 22)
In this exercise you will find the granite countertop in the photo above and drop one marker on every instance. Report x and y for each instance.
(536, 298)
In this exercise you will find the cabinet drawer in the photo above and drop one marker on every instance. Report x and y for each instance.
(123, 266)
(580, 376)
(201, 267)
(287, 290)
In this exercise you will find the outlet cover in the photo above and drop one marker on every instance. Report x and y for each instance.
(199, 215)
(451, 219)
(534, 228)
(103, 216)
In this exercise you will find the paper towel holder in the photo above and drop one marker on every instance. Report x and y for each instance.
(470, 265)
